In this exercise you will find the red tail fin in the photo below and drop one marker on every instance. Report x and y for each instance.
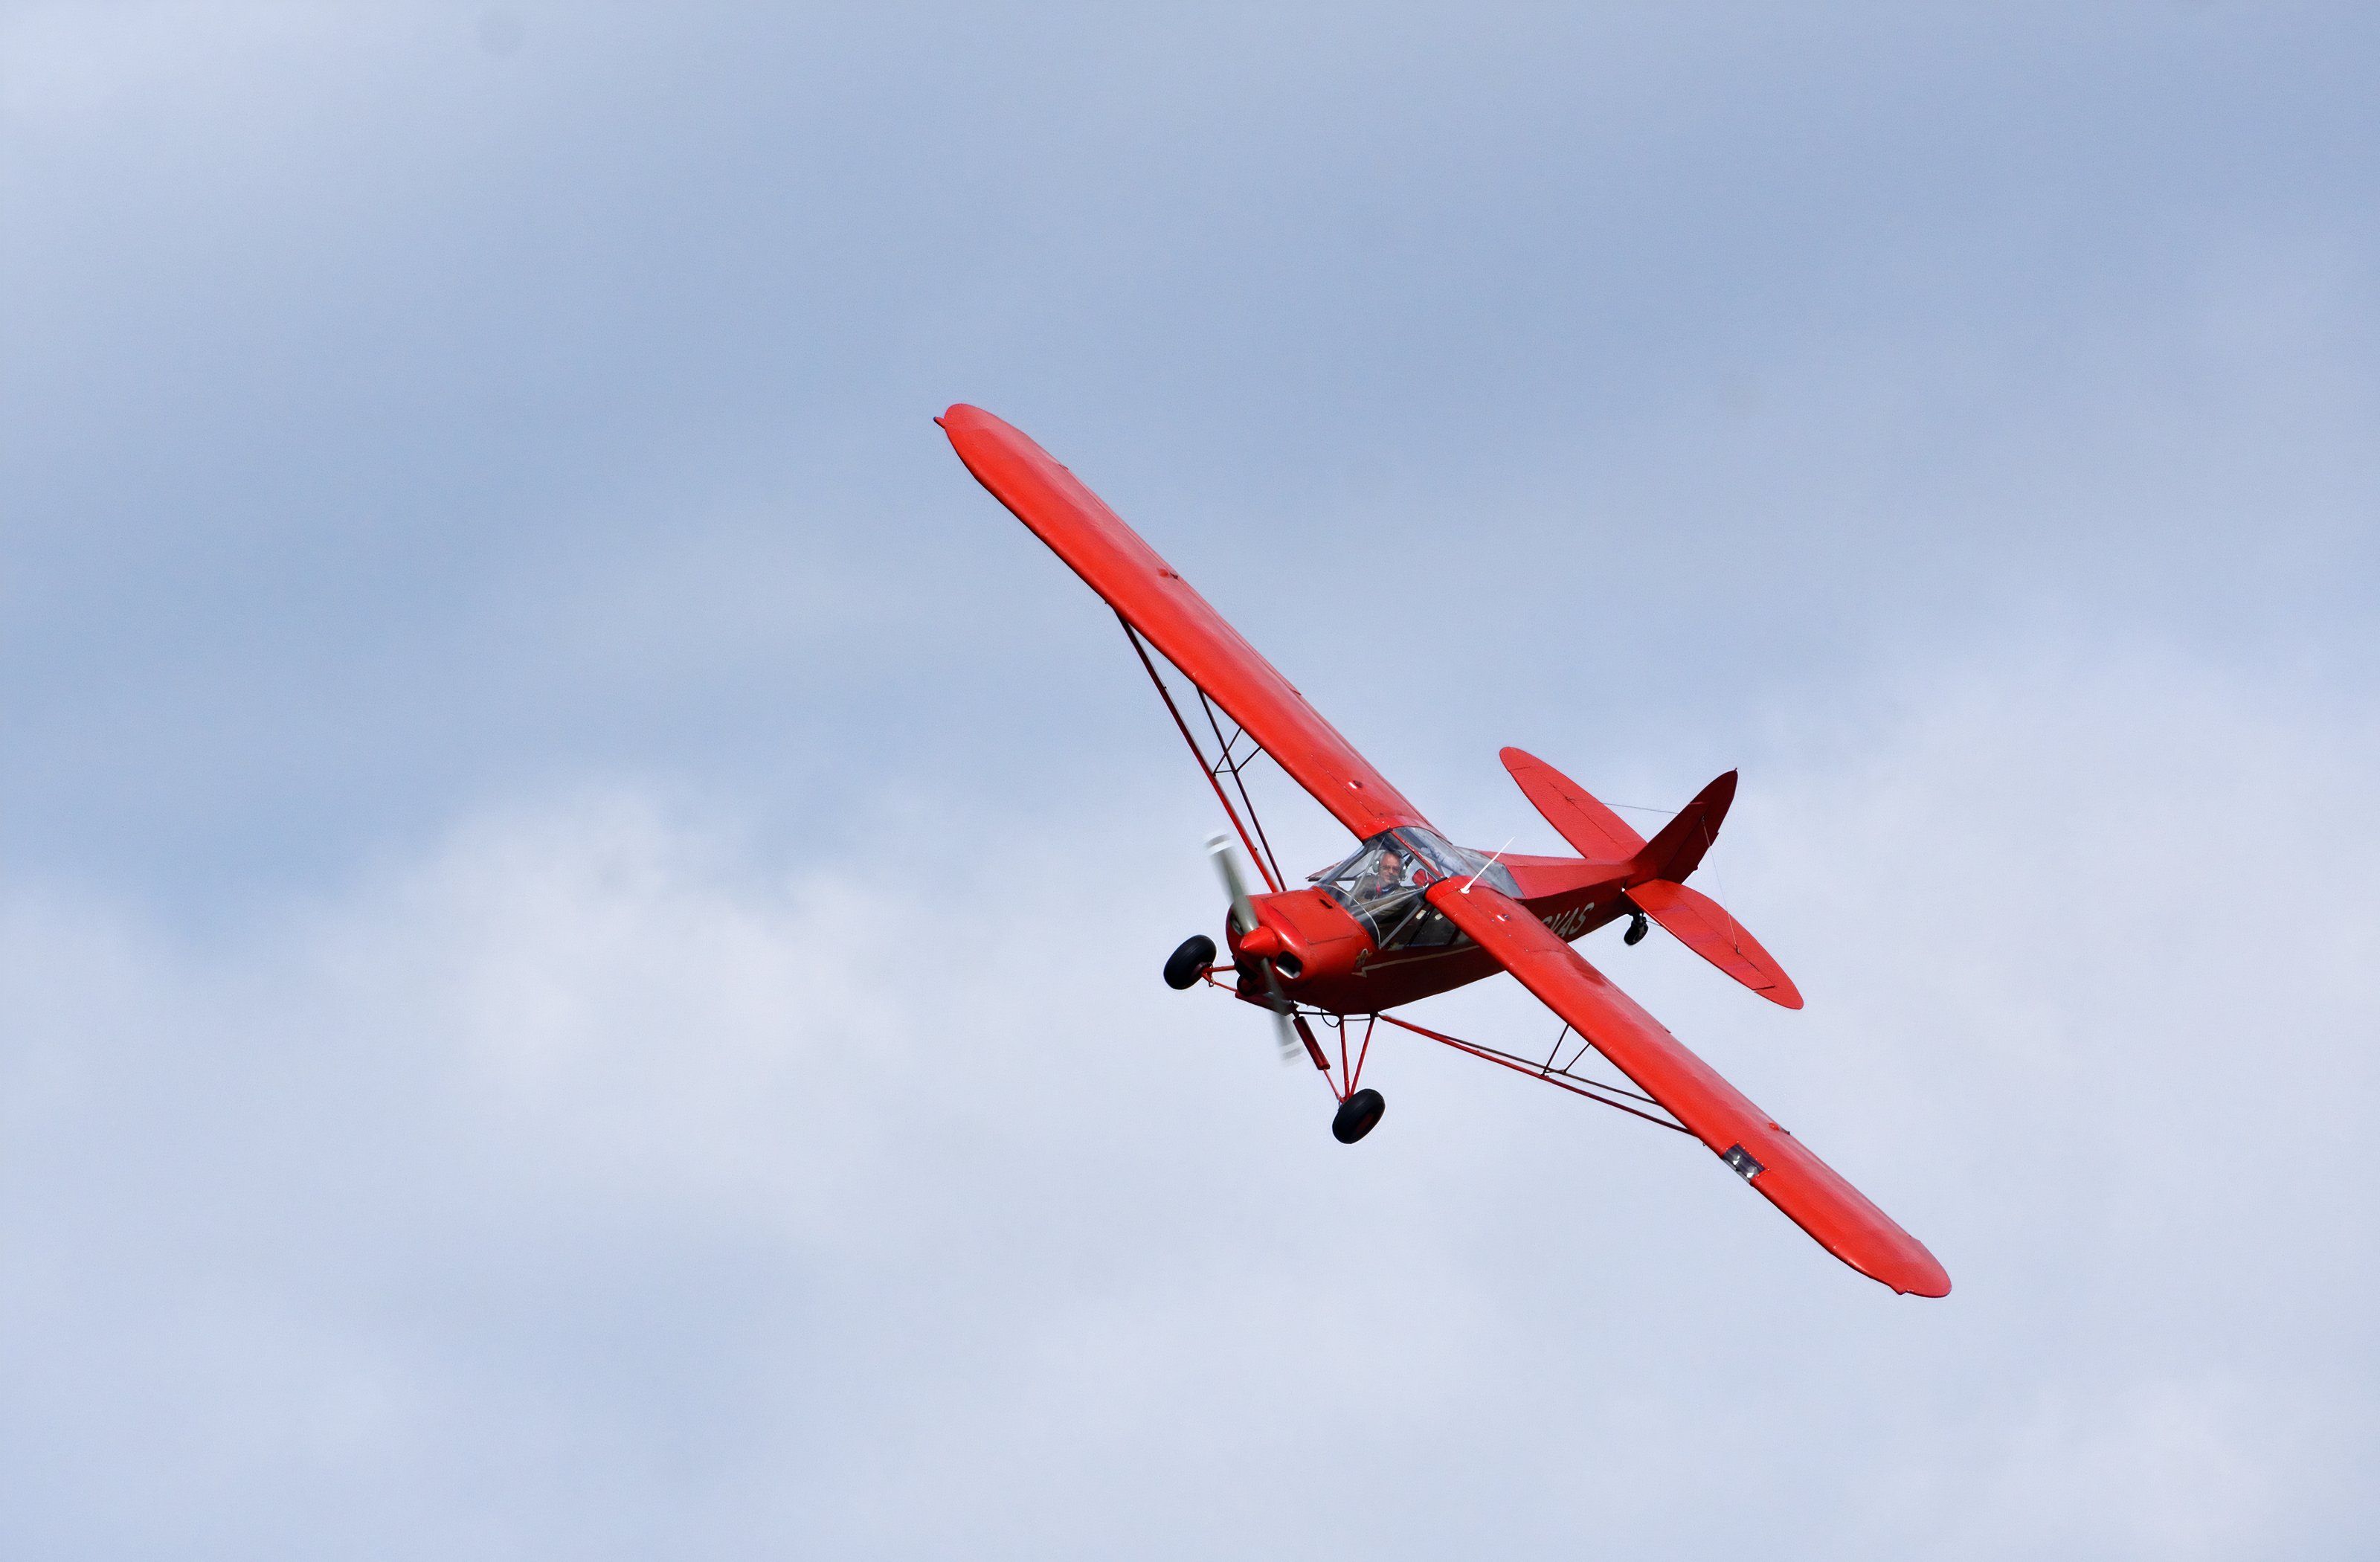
(1678, 851)
(1695, 920)
(1657, 868)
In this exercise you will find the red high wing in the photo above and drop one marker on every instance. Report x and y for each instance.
(1153, 598)
(1810, 1193)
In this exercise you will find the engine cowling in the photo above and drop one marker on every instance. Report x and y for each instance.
(1305, 934)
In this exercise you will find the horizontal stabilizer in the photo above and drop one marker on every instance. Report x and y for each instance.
(1704, 925)
(1594, 831)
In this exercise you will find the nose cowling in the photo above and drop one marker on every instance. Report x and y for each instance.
(1267, 942)
(1303, 934)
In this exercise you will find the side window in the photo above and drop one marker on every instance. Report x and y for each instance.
(1430, 931)
(1448, 861)
(1382, 885)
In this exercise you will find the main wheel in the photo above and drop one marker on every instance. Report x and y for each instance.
(1357, 1116)
(1186, 965)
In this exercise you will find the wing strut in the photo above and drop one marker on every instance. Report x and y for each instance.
(1560, 1078)
(1227, 765)
(1349, 1072)
(1754, 1146)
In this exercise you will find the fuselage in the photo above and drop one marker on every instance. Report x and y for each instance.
(1331, 955)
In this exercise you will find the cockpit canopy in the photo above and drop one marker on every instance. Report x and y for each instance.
(1381, 885)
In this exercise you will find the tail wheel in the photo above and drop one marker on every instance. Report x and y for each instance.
(1637, 926)
(1187, 964)
(1357, 1116)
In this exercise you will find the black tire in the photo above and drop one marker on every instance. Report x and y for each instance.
(1357, 1116)
(1186, 965)
(1637, 928)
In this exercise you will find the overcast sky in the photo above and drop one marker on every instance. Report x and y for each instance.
(579, 909)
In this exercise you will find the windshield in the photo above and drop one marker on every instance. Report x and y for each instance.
(1381, 885)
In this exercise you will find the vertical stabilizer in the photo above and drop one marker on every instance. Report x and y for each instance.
(1678, 851)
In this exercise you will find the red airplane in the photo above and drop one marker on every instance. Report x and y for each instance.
(1410, 914)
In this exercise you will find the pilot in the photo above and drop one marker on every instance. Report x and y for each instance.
(1387, 877)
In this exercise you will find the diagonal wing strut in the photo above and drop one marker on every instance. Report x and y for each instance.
(1813, 1195)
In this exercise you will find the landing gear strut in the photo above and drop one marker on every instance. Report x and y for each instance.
(1187, 964)
(1357, 1116)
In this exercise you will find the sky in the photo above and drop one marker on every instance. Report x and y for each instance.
(581, 910)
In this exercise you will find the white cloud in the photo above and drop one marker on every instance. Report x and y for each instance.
(584, 1188)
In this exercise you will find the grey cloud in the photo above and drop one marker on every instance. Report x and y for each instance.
(1717, 351)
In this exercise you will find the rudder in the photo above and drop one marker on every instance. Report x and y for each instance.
(1678, 850)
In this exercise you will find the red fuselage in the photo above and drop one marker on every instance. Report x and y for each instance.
(1331, 961)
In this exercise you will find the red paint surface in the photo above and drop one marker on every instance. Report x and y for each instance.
(1327, 960)
(1654, 872)
(1155, 600)
(1708, 928)
(1806, 1189)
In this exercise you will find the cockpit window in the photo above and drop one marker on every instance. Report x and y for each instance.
(1381, 885)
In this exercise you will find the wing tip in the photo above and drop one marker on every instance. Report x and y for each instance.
(1916, 1273)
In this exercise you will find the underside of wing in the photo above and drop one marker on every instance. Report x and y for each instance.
(1810, 1193)
(1151, 597)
